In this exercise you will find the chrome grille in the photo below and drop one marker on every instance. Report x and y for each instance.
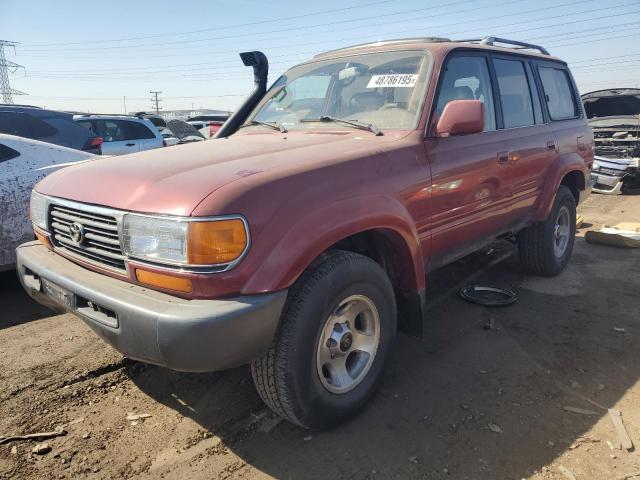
(100, 243)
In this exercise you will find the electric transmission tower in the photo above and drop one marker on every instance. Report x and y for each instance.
(7, 67)
(156, 101)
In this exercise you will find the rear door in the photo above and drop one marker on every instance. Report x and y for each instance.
(143, 134)
(563, 108)
(117, 137)
(530, 143)
(470, 188)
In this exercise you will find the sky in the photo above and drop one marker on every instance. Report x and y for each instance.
(105, 56)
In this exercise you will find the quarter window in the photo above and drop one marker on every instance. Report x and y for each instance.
(37, 128)
(558, 92)
(7, 124)
(88, 124)
(111, 130)
(515, 94)
(137, 131)
(467, 78)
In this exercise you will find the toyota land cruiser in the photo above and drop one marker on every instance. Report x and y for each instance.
(298, 240)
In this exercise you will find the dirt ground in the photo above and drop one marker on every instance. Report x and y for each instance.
(482, 396)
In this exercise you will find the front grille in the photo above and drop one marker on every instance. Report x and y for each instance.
(100, 243)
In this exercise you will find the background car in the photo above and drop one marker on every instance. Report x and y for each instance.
(122, 134)
(185, 132)
(47, 126)
(614, 115)
(208, 125)
(168, 136)
(154, 118)
(23, 163)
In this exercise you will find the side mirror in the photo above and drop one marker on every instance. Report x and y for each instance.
(461, 117)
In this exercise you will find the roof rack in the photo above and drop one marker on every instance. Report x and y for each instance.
(519, 45)
(386, 42)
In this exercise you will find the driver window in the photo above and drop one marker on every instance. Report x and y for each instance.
(467, 78)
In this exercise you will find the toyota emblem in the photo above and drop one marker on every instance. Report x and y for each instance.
(76, 231)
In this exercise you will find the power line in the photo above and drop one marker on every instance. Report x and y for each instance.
(324, 42)
(253, 35)
(502, 33)
(223, 27)
(127, 75)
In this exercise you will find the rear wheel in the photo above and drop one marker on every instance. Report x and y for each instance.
(335, 333)
(545, 247)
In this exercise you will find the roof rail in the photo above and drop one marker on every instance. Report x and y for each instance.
(493, 40)
(18, 105)
(386, 42)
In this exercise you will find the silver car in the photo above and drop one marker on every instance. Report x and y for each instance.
(122, 134)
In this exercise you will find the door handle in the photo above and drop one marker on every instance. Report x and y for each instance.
(503, 158)
(551, 145)
(130, 144)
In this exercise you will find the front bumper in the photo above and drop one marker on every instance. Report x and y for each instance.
(608, 184)
(151, 326)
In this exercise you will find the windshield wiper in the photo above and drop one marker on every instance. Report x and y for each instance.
(272, 125)
(354, 123)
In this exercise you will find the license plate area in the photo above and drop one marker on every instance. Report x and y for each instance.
(58, 294)
(80, 305)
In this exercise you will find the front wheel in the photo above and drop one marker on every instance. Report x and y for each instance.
(334, 336)
(545, 247)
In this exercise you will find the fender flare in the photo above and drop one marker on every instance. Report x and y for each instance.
(563, 165)
(313, 234)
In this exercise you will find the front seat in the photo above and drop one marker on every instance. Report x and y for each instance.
(366, 102)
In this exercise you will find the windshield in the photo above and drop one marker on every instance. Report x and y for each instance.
(382, 89)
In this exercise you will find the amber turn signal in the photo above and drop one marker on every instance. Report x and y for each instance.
(44, 239)
(220, 241)
(161, 280)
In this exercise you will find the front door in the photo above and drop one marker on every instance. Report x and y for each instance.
(470, 191)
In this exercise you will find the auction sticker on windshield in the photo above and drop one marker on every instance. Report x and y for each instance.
(395, 80)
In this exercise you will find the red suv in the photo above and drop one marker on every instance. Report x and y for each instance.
(298, 240)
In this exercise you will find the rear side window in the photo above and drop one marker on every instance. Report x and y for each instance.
(7, 124)
(467, 78)
(515, 93)
(111, 130)
(36, 128)
(558, 93)
(138, 131)
(88, 124)
(24, 125)
(7, 153)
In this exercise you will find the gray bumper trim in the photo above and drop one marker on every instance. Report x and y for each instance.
(151, 326)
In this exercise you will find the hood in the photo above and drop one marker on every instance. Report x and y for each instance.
(174, 180)
(620, 102)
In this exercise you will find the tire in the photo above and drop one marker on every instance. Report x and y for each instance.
(296, 377)
(541, 247)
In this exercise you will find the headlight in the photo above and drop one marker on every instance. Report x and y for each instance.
(194, 242)
(38, 210)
